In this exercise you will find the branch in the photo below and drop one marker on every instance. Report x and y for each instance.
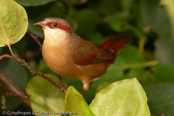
(13, 89)
(35, 38)
(33, 72)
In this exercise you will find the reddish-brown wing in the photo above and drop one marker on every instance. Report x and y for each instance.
(89, 53)
(117, 42)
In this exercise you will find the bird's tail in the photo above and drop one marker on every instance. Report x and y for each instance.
(117, 42)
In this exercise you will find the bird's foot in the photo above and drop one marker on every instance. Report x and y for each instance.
(83, 92)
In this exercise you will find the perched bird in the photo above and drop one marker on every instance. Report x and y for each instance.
(68, 54)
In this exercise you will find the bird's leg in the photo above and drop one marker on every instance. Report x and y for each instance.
(83, 92)
(85, 86)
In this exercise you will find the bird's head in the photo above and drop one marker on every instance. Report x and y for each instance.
(55, 28)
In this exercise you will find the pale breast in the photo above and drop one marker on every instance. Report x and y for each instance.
(56, 57)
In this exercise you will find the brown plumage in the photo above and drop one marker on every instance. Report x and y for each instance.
(69, 55)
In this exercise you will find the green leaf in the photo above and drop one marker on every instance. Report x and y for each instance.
(102, 86)
(161, 71)
(161, 99)
(33, 2)
(157, 19)
(96, 37)
(169, 8)
(165, 50)
(155, 16)
(119, 21)
(44, 96)
(105, 6)
(87, 21)
(18, 75)
(13, 22)
(122, 98)
(127, 5)
(74, 102)
(75, 2)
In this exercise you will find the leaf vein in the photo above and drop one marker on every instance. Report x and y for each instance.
(124, 102)
(46, 103)
(4, 32)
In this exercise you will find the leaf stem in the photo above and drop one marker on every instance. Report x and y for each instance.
(141, 36)
(138, 65)
(11, 51)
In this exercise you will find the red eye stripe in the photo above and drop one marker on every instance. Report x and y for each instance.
(60, 26)
(64, 27)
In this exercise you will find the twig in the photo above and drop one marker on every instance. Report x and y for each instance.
(61, 83)
(13, 89)
(35, 38)
(5, 55)
(33, 72)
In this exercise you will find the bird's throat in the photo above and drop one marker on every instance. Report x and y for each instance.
(55, 36)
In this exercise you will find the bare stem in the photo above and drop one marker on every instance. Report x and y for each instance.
(11, 51)
(7, 84)
(141, 45)
(5, 55)
(33, 72)
(61, 83)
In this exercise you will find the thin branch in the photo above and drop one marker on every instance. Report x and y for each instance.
(33, 72)
(13, 89)
(35, 38)
(5, 55)
(61, 83)
(141, 45)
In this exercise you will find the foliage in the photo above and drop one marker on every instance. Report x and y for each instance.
(122, 98)
(45, 98)
(15, 14)
(149, 58)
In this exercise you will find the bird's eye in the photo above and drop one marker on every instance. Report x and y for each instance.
(54, 25)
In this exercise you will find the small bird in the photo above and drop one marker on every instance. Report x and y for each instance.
(68, 54)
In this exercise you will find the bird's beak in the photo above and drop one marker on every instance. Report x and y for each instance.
(41, 23)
